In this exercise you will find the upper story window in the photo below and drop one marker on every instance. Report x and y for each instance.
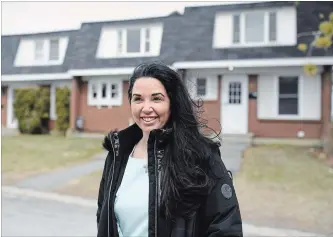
(133, 41)
(270, 27)
(39, 50)
(46, 50)
(257, 27)
(54, 49)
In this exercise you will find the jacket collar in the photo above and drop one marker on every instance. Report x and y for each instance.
(132, 135)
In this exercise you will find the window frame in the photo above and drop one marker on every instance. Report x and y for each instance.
(108, 100)
(290, 96)
(50, 49)
(122, 49)
(266, 31)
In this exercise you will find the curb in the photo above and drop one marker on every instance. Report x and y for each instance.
(248, 229)
(23, 192)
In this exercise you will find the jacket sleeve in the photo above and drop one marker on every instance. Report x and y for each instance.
(222, 213)
(100, 199)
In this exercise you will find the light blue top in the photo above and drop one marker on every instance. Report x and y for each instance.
(131, 204)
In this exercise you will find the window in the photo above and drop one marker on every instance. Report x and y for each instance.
(147, 41)
(236, 32)
(46, 50)
(254, 27)
(104, 92)
(235, 93)
(133, 41)
(288, 95)
(120, 41)
(54, 49)
(39, 50)
(257, 27)
(201, 86)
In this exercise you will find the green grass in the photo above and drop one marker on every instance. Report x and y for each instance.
(284, 186)
(86, 186)
(40, 153)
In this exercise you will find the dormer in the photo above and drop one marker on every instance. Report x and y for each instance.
(139, 40)
(41, 51)
(263, 27)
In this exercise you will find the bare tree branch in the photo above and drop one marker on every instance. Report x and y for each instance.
(313, 33)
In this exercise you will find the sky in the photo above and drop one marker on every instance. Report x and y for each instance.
(34, 17)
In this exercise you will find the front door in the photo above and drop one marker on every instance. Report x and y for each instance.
(11, 120)
(234, 104)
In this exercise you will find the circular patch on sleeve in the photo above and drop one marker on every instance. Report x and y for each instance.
(226, 191)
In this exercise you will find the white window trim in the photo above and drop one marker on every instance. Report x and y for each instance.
(124, 53)
(275, 94)
(45, 60)
(266, 41)
(108, 101)
(192, 87)
(49, 48)
(298, 96)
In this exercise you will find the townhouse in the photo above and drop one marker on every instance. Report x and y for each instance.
(241, 60)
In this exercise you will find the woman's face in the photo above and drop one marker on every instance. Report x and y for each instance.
(150, 104)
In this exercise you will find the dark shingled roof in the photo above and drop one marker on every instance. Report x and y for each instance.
(186, 37)
(9, 47)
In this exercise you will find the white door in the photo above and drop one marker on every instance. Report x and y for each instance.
(11, 120)
(234, 104)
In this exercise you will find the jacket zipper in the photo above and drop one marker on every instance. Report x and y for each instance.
(113, 166)
(156, 190)
(158, 185)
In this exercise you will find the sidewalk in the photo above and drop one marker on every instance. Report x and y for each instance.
(56, 178)
(248, 229)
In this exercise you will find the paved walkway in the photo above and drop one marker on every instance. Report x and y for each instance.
(59, 177)
(231, 155)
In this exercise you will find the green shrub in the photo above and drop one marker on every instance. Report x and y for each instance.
(31, 108)
(62, 109)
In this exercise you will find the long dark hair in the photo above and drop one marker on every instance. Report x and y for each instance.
(187, 177)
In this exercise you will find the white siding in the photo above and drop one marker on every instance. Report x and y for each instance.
(156, 40)
(211, 88)
(309, 98)
(107, 47)
(26, 53)
(286, 28)
(222, 31)
(267, 97)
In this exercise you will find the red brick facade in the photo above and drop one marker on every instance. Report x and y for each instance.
(106, 119)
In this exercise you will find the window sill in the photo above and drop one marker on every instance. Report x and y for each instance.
(257, 45)
(288, 118)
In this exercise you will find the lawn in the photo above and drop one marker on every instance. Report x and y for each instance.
(86, 186)
(284, 186)
(28, 155)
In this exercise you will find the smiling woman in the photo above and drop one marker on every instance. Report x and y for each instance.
(186, 190)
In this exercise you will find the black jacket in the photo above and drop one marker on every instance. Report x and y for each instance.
(219, 215)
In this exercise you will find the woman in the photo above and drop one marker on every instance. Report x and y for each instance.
(162, 177)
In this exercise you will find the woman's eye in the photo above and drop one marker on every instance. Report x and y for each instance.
(136, 98)
(157, 98)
